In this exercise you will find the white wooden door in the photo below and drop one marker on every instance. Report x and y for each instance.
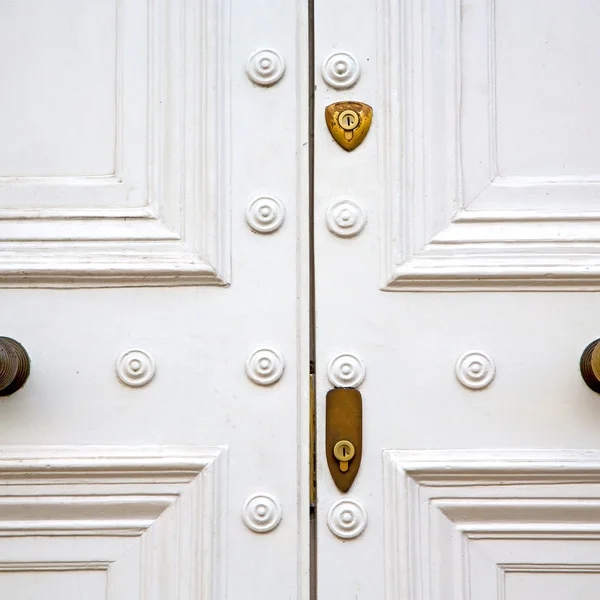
(469, 297)
(149, 246)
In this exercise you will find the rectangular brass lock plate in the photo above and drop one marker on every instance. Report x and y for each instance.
(343, 435)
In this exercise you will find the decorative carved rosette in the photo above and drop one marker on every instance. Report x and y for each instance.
(347, 519)
(346, 217)
(265, 214)
(261, 513)
(340, 70)
(475, 369)
(265, 67)
(135, 367)
(346, 370)
(265, 366)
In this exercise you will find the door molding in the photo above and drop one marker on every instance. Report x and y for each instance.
(478, 513)
(162, 216)
(450, 219)
(141, 514)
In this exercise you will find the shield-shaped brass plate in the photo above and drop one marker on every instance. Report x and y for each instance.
(349, 123)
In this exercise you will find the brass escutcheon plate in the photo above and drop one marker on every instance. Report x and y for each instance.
(349, 123)
(343, 428)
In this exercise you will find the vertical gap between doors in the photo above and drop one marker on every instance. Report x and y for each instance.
(311, 192)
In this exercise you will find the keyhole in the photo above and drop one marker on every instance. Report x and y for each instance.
(348, 120)
(344, 451)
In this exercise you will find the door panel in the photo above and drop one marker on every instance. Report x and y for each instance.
(465, 296)
(123, 204)
(477, 190)
(119, 522)
(490, 524)
(128, 186)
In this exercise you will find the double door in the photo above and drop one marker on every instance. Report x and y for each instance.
(192, 262)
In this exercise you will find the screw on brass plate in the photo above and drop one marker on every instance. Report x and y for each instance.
(343, 435)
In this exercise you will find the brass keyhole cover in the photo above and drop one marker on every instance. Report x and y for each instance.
(344, 451)
(349, 122)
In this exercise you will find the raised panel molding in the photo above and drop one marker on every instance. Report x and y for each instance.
(510, 232)
(457, 522)
(153, 519)
(162, 218)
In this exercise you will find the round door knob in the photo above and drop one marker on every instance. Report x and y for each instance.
(14, 366)
(590, 366)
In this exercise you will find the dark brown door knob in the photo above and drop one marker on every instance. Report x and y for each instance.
(14, 366)
(590, 366)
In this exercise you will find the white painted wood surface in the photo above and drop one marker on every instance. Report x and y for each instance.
(117, 522)
(480, 182)
(498, 524)
(132, 143)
